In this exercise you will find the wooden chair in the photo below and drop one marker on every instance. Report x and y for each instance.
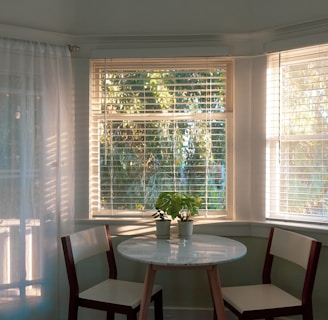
(267, 301)
(111, 295)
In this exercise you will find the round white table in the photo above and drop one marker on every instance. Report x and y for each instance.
(202, 252)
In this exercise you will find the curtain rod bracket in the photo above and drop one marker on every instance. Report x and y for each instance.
(73, 48)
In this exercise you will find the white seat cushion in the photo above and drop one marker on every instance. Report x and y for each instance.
(117, 292)
(257, 297)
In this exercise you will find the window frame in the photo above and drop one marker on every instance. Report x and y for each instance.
(291, 57)
(227, 116)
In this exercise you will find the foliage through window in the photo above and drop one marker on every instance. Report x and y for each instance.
(159, 125)
(297, 134)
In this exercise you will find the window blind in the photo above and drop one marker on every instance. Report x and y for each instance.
(158, 125)
(297, 134)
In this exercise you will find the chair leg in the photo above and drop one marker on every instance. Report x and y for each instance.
(73, 309)
(131, 316)
(158, 305)
(308, 312)
(214, 315)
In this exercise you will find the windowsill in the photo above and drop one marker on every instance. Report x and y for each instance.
(241, 228)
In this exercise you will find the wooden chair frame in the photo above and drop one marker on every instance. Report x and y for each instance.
(308, 260)
(76, 301)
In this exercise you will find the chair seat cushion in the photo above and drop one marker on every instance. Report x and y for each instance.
(117, 292)
(258, 297)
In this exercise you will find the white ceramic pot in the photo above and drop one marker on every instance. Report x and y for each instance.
(163, 229)
(185, 229)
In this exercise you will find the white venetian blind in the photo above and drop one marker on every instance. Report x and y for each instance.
(297, 134)
(155, 125)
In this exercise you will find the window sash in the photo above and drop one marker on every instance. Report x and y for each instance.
(204, 108)
(297, 135)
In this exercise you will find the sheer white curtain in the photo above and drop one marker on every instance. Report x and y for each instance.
(36, 174)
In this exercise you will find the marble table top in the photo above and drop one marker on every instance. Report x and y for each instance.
(199, 250)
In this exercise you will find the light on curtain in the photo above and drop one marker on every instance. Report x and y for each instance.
(36, 167)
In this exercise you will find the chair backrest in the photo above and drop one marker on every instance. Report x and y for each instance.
(296, 248)
(84, 244)
(88, 243)
(291, 246)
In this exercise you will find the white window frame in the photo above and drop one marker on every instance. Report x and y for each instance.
(94, 199)
(276, 138)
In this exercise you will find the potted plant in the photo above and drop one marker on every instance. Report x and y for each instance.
(163, 224)
(180, 206)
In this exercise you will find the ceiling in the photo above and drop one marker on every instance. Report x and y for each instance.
(155, 17)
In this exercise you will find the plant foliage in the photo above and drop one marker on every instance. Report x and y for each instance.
(178, 205)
